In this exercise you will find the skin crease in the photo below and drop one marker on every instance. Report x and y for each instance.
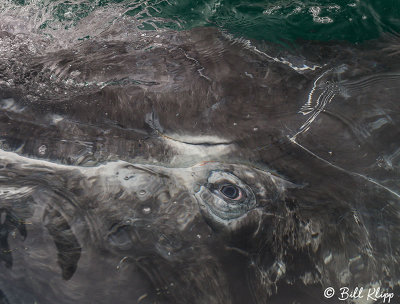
(83, 232)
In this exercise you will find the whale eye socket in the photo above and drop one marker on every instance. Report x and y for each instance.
(225, 197)
(231, 191)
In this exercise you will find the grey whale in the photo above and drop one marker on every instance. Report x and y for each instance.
(115, 156)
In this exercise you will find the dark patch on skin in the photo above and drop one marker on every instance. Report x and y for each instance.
(8, 223)
(68, 247)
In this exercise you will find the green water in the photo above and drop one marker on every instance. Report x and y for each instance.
(276, 21)
(288, 20)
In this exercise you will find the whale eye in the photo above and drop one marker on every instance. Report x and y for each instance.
(231, 191)
(225, 197)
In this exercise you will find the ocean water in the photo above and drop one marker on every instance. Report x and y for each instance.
(199, 152)
(281, 22)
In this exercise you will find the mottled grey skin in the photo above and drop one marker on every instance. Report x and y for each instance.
(131, 232)
(316, 152)
(135, 226)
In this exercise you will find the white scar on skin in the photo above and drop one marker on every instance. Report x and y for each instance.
(195, 148)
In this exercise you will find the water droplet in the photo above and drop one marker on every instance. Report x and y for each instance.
(146, 210)
(42, 150)
(142, 192)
